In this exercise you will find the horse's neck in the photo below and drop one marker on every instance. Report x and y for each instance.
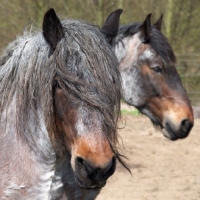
(24, 173)
(33, 137)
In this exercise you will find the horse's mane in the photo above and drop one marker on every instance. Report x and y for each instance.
(157, 40)
(80, 63)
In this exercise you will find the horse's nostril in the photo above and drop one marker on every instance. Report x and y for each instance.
(86, 169)
(80, 160)
(186, 126)
(81, 166)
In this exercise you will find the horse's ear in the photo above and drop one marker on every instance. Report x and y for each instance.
(158, 23)
(111, 25)
(52, 28)
(145, 29)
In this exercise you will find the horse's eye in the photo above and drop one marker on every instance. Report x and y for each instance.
(157, 69)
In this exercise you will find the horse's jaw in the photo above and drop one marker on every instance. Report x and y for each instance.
(67, 186)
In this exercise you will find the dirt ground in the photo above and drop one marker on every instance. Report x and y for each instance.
(161, 169)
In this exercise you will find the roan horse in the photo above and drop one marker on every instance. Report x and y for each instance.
(150, 81)
(60, 102)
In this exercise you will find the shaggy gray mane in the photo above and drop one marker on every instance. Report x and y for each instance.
(82, 63)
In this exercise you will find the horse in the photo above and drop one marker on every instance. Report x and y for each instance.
(150, 81)
(59, 103)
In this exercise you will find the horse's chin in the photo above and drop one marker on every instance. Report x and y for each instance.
(85, 184)
(167, 130)
(169, 134)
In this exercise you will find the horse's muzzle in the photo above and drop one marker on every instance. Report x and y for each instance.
(173, 132)
(89, 176)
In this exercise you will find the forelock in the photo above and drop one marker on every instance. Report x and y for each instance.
(157, 41)
(161, 45)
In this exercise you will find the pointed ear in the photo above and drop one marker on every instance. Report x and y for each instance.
(145, 29)
(111, 25)
(52, 28)
(158, 23)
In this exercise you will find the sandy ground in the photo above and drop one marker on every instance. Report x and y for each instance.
(161, 169)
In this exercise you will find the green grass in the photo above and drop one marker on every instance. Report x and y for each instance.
(130, 112)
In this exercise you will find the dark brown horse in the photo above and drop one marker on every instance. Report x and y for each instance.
(59, 103)
(149, 78)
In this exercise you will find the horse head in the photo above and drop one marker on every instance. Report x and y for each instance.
(85, 114)
(150, 80)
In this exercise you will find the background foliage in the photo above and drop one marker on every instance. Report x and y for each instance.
(181, 24)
